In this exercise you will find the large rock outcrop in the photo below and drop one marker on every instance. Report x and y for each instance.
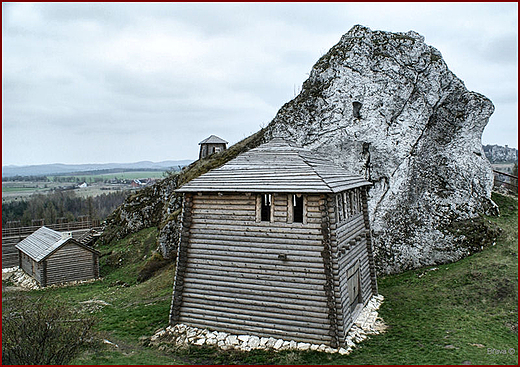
(386, 106)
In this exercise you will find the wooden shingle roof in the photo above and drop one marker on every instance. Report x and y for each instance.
(44, 242)
(276, 166)
(213, 139)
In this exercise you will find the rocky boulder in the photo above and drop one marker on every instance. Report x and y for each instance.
(386, 106)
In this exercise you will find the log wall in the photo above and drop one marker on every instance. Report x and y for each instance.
(247, 276)
(352, 237)
(70, 263)
(31, 267)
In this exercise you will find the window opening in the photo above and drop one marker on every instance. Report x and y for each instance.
(346, 204)
(266, 208)
(356, 201)
(298, 208)
(356, 106)
(341, 214)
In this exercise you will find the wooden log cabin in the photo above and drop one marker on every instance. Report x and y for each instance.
(52, 257)
(275, 243)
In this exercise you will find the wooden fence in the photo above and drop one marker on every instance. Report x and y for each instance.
(11, 236)
(505, 180)
(60, 227)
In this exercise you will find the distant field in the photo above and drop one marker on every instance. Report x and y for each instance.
(130, 175)
(19, 189)
(97, 184)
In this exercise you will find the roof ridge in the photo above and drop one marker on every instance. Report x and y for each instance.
(315, 171)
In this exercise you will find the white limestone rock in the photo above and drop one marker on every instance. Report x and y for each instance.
(232, 340)
(263, 342)
(253, 342)
(199, 341)
(182, 335)
(343, 351)
(278, 344)
(221, 336)
(270, 342)
(303, 346)
(244, 338)
(417, 137)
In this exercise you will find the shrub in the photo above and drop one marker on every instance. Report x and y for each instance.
(155, 263)
(42, 332)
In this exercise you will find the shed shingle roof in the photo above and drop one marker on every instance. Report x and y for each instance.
(44, 242)
(213, 139)
(276, 166)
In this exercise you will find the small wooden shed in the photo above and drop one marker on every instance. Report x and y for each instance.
(211, 145)
(53, 257)
(275, 243)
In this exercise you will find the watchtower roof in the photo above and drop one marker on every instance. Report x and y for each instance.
(213, 139)
(277, 166)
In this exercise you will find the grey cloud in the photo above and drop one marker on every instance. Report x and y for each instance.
(166, 75)
(502, 50)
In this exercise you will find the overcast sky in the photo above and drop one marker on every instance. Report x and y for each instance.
(125, 82)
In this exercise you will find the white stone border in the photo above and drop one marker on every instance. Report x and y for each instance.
(19, 278)
(367, 323)
(23, 280)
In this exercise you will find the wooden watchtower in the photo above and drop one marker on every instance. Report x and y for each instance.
(210, 145)
(275, 243)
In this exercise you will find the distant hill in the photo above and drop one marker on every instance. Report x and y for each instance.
(58, 168)
(499, 154)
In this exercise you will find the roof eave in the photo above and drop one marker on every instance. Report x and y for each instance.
(184, 190)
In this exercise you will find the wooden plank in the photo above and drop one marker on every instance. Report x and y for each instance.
(261, 261)
(259, 300)
(310, 243)
(288, 277)
(269, 267)
(225, 210)
(276, 229)
(253, 294)
(270, 314)
(218, 206)
(292, 259)
(259, 282)
(265, 287)
(253, 319)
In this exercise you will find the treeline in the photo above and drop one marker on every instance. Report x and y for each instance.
(76, 179)
(26, 178)
(61, 204)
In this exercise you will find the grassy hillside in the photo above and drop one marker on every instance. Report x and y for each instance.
(465, 312)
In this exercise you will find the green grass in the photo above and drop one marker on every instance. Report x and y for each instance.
(20, 189)
(464, 312)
